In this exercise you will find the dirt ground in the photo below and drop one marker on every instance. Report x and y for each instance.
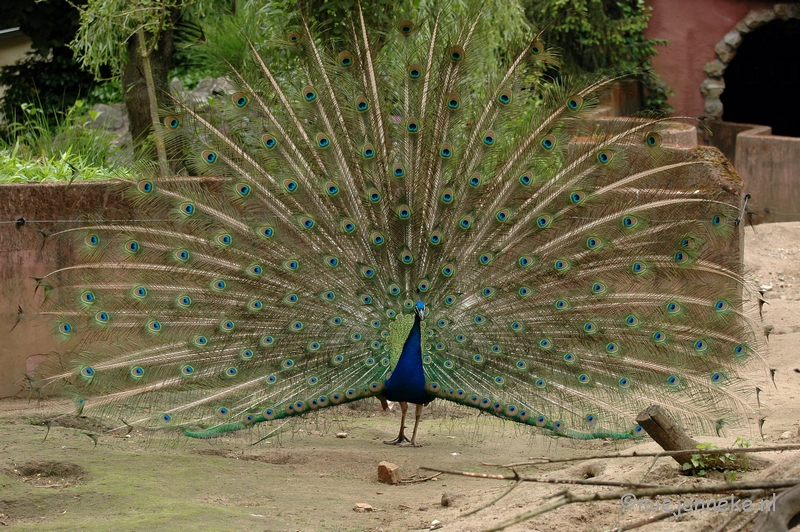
(305, 478)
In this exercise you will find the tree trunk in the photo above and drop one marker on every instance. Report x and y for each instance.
(135, 88)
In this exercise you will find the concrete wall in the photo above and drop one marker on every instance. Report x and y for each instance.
(25, 255)
(693, 28)
(770, 167)
(722, 135)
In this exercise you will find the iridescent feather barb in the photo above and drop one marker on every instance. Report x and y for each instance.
(377, 225)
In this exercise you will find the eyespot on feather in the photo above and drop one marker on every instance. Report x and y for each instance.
(309, 93)
(574, 103)
(172, 122)
(453, 101)
(209, 156)
(455, 53)
(239, 99)
(293, 37)
(406, 27)
(653, 140)
(322, 140)
(269, 141)
(345, 59)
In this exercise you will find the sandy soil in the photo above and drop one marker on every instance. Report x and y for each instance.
(306, 478)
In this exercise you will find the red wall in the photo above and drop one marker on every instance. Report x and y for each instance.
(693, 28)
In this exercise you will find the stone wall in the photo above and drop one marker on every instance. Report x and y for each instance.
(693, 29)
(714, 85)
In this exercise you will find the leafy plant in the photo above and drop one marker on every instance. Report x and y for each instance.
(701, 462)
(107, 92)
(598, 35)
(76, 150)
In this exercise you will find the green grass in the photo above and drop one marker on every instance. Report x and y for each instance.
(35, 151)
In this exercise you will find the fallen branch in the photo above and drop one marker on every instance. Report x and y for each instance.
(634, 454)
(413, 480)
(568, 497)
(517, 477)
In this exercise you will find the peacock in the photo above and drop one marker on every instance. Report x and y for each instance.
(386, 222)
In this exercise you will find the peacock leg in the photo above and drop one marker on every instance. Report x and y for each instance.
(401, 438)
(413, 442)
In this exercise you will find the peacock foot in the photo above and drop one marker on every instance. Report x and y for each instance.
(400, 440)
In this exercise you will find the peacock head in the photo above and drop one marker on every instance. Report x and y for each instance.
(419, 309)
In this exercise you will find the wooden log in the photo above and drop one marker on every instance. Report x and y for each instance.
(784, 515)
(663, 429)
(666, 433)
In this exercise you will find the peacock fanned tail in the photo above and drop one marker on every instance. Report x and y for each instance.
(573, 271)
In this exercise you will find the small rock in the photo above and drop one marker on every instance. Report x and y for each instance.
(362, 507)
(714, 68)
(436, 524)
(423, 508)
(388, 473)
(341, 434)
(786, 435)
(176, 84)
(449, 498)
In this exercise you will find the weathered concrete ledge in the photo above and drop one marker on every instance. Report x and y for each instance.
(769, 165)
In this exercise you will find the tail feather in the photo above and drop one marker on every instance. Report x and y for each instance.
(574, 271)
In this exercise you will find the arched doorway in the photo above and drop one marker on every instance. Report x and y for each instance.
(762, 81)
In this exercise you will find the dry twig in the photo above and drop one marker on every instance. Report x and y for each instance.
(622, 454)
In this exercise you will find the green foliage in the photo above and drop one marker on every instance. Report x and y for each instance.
(598, 35)
(48, 82)
(331, 15)
(505, 31)
(108, 92)
(76, 150)
(701, 462)
(106, 26)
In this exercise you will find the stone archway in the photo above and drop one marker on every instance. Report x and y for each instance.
(714, 84)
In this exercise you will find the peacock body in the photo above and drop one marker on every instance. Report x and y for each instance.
(376, 225)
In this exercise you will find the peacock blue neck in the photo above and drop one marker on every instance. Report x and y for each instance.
(407, 382)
